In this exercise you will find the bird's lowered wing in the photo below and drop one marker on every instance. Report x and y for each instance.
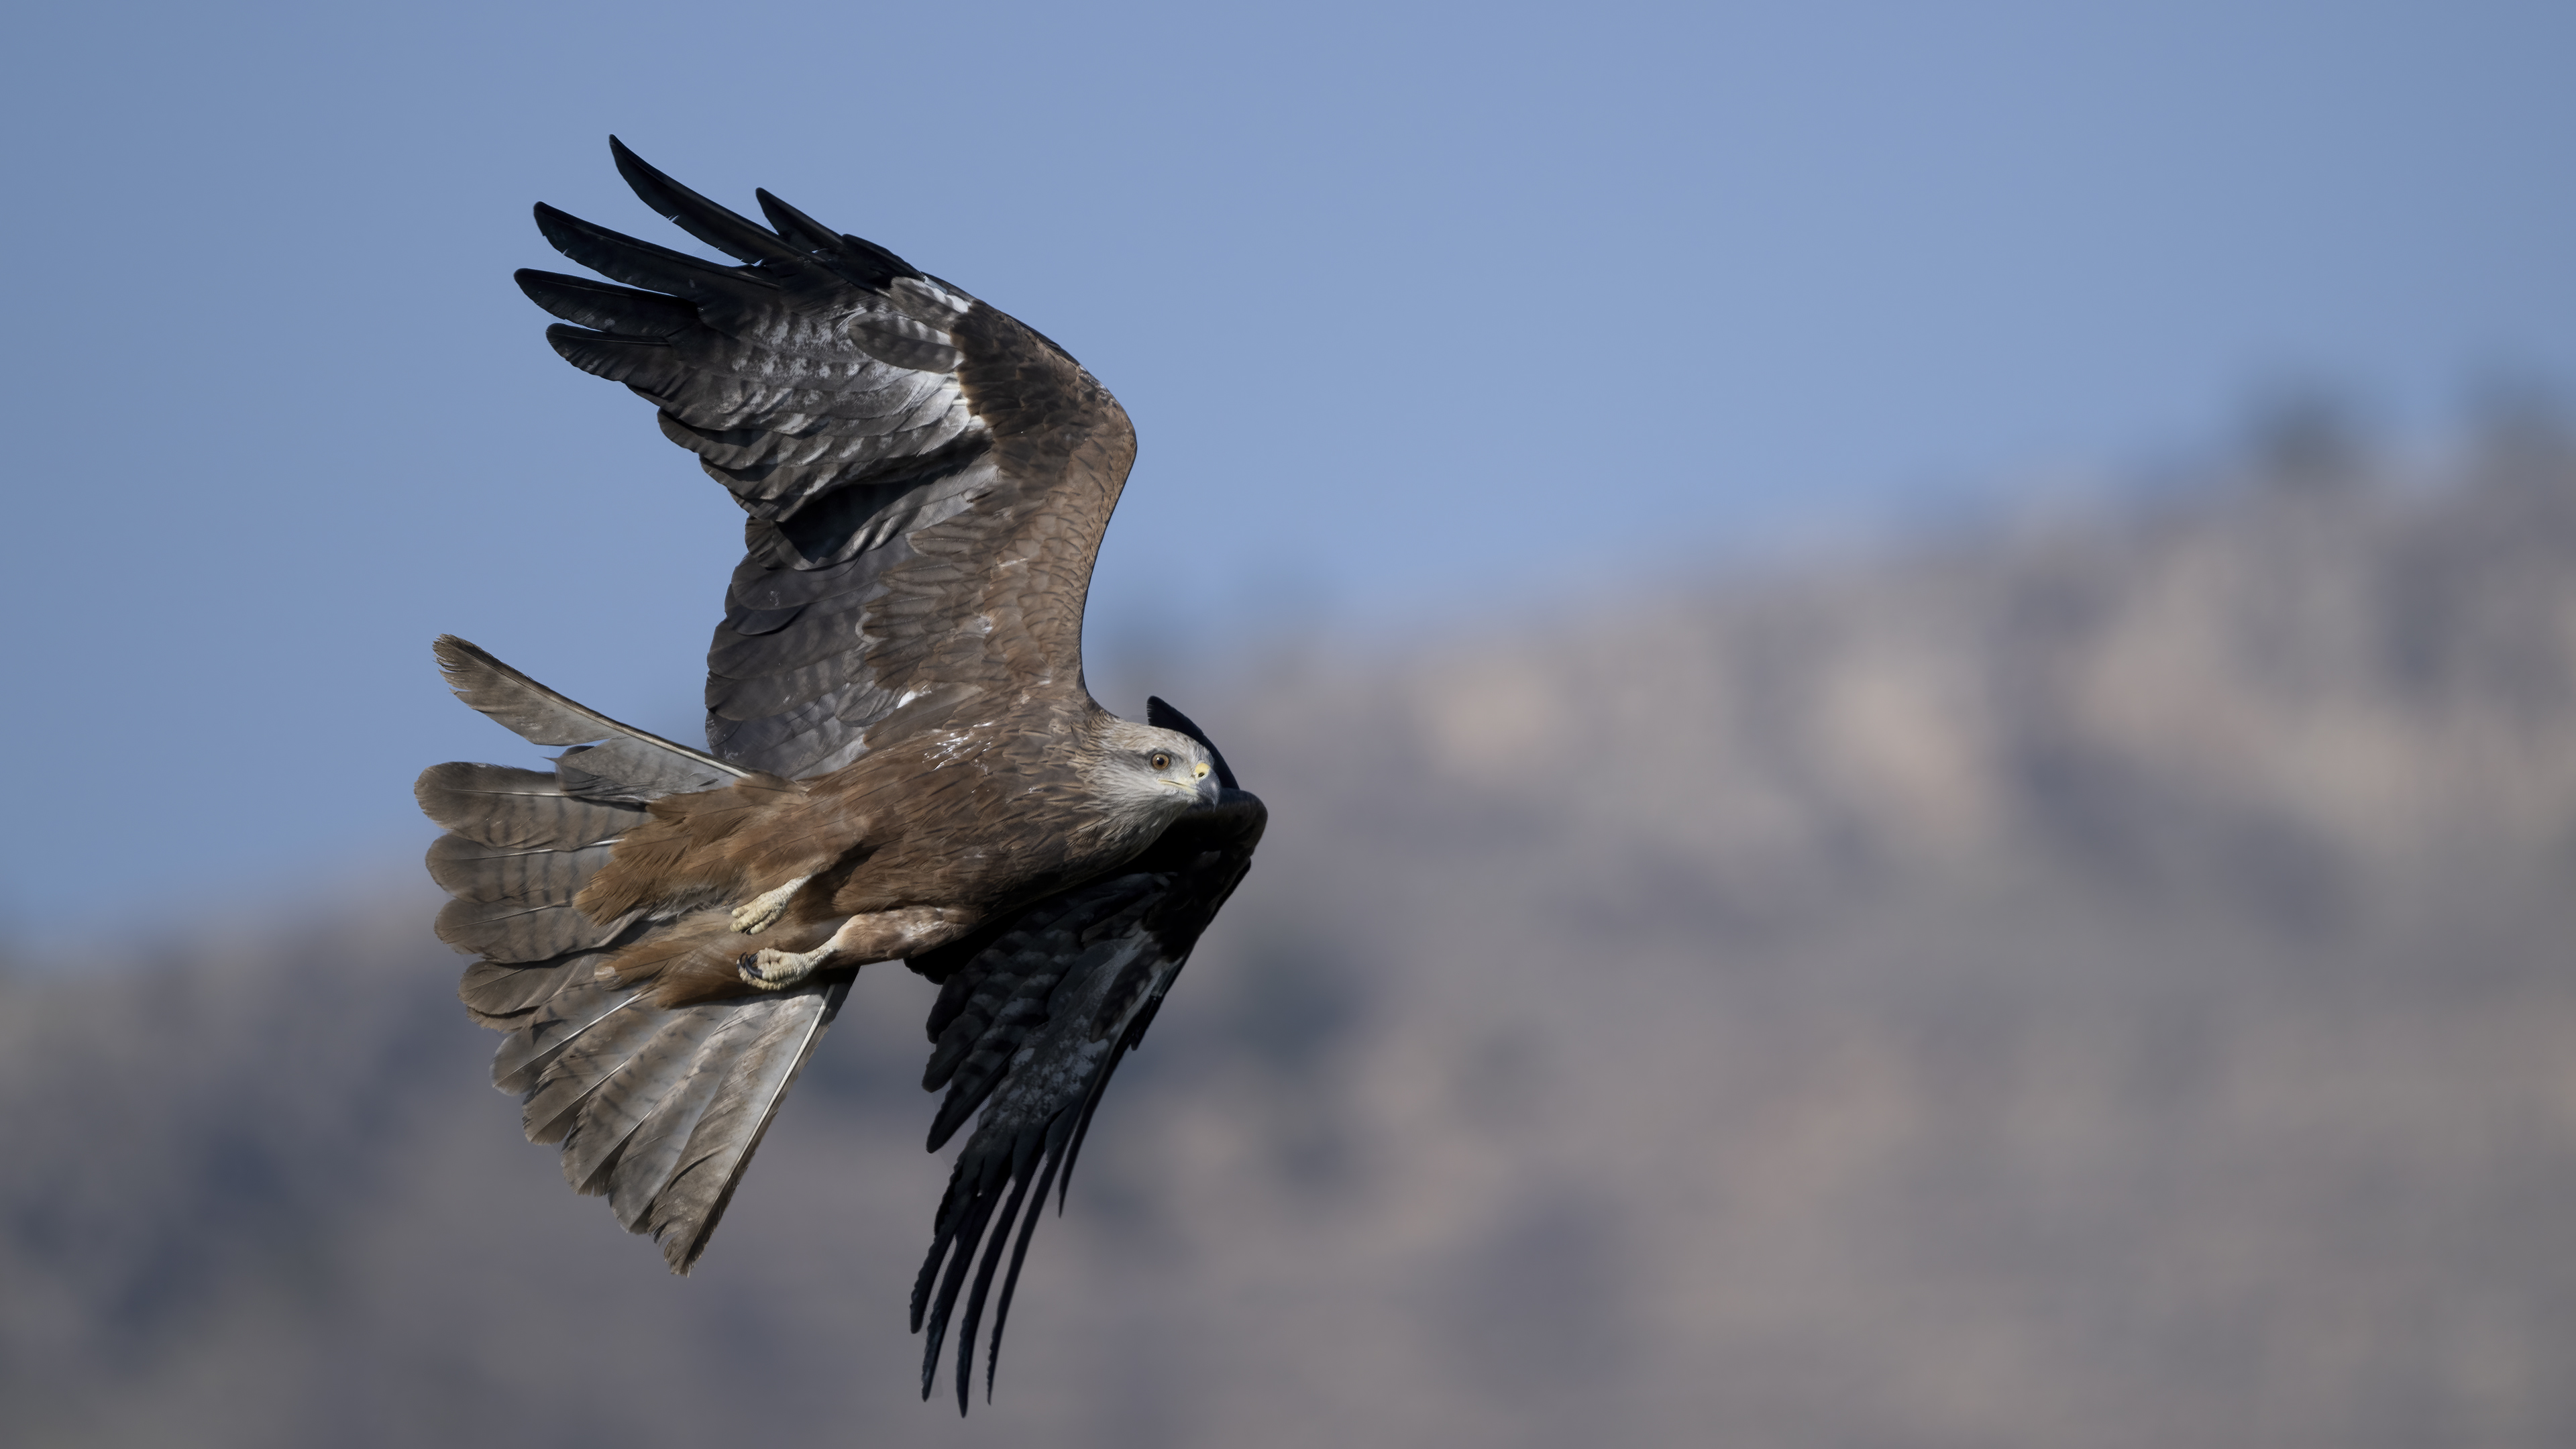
(1032, 1018)
(927, 479)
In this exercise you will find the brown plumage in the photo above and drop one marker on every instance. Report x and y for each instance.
(903, 762)
(910, 846)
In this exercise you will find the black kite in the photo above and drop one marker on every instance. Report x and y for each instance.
(903, 761)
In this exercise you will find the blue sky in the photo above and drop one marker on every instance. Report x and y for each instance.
(1421, 311)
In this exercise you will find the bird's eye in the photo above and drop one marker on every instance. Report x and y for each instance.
(1159, 760)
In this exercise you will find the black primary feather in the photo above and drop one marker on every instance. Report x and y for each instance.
(699, 217)
(602, 307)
(799, 228)
(640, 263)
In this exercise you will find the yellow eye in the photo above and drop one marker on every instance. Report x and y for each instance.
(1159, 760)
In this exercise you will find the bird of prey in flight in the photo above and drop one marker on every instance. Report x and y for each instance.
(902, 760)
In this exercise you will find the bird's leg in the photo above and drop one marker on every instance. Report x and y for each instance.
(876, 936)
(757, 914)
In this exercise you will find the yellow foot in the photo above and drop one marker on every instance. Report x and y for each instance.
(763, 910)
(778, 970)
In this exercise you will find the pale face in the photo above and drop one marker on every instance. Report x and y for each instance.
(1165, 766)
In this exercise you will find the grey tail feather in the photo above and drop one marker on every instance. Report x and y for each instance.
(542, 716)
(719, 1150)
(501, 808)
(523, 843)
(660, 1109)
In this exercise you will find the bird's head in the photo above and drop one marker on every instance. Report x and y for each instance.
(1146, 769)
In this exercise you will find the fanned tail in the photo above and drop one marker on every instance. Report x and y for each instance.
(658, 1109)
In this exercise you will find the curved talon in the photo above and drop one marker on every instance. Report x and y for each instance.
(775, 970)
(763, 910)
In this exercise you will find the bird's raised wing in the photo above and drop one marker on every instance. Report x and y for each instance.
(1033, 1017)
(927, 479)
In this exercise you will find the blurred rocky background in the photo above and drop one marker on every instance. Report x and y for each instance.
(2105, 980)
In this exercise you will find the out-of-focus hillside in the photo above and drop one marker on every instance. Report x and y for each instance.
(2109, 984)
